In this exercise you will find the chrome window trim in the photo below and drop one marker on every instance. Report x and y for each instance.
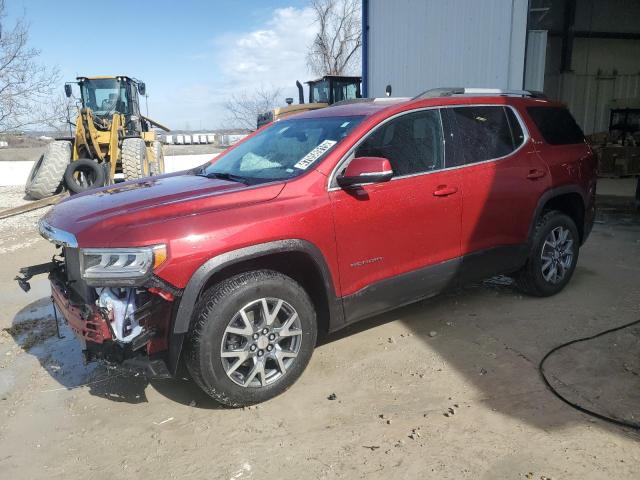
(371, 174)
(56, 235)
(346, 156)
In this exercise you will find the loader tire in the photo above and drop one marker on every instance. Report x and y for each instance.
(157, 166)
(84, 174)
(134, 159)
(46, 176)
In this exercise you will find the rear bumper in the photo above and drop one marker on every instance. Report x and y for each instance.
(589, 219)
(589, 209)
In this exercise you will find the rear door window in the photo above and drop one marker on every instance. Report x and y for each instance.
(484, 133)
(556, 125)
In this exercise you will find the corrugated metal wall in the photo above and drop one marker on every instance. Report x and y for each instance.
(419, 44)
(589, 96)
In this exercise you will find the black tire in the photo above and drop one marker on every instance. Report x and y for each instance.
(134, 158)
(530, 278)
(46, 176)
(84, 174)
(216, 309)
(157, 166)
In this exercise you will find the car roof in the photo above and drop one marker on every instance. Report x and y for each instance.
(359, 107)
(369, 106)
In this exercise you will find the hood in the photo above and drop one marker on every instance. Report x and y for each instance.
(109, 211)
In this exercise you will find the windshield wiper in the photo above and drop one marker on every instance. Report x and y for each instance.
(225, 176)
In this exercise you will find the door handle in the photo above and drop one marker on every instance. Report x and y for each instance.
(444, 191)
(535, 174)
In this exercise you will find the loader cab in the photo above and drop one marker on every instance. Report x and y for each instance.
(334, 88)
(108, 95)
(323, 92)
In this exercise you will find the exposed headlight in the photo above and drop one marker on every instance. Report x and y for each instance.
(120, 266)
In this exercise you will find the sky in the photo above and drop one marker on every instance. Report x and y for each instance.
(191, 54)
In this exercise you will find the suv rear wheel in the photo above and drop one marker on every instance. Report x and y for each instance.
(553, 256)
(253, 336)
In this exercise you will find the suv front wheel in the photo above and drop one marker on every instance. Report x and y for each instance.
(552, 257)
(253, 336)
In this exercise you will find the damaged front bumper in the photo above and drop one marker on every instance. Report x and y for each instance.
(128, 326)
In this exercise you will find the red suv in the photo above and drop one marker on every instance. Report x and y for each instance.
(315, 222)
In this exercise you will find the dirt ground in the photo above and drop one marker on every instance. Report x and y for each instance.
(23, 147)
(21, 154)
(447, 388)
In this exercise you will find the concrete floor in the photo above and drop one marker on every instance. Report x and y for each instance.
(617, 187)
(465, 402)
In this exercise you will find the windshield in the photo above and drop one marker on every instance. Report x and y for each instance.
(105, 96)
(283, 150)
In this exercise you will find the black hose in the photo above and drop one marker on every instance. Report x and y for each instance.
(623, 423)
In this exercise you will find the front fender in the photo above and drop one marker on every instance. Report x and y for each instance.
(201, 276)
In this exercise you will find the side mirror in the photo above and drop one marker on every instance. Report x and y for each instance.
(67, 90)
(362, 170)
(142, 89)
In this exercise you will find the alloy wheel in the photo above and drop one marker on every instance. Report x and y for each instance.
(261, 342)
(557, 254)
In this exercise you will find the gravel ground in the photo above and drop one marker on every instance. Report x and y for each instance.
(12, 229)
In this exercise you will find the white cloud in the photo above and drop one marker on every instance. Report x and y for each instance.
(272, 56)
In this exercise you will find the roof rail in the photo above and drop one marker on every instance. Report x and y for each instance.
(370, 100)
(450, 91)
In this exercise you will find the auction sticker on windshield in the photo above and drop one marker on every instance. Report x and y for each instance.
(314, 154)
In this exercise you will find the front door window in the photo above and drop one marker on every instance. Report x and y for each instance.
(412, 143)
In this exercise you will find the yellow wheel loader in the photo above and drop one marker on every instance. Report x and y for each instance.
(323, 92)
(111, 137)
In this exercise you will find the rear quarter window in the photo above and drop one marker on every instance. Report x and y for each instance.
(556, 125)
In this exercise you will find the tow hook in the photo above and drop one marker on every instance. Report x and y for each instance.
(26, 273)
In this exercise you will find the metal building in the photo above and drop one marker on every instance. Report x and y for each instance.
(414, 45)
(583, 52)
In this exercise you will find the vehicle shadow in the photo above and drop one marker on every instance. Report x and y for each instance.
(34, 331)
(494, 337)
(59, 353)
